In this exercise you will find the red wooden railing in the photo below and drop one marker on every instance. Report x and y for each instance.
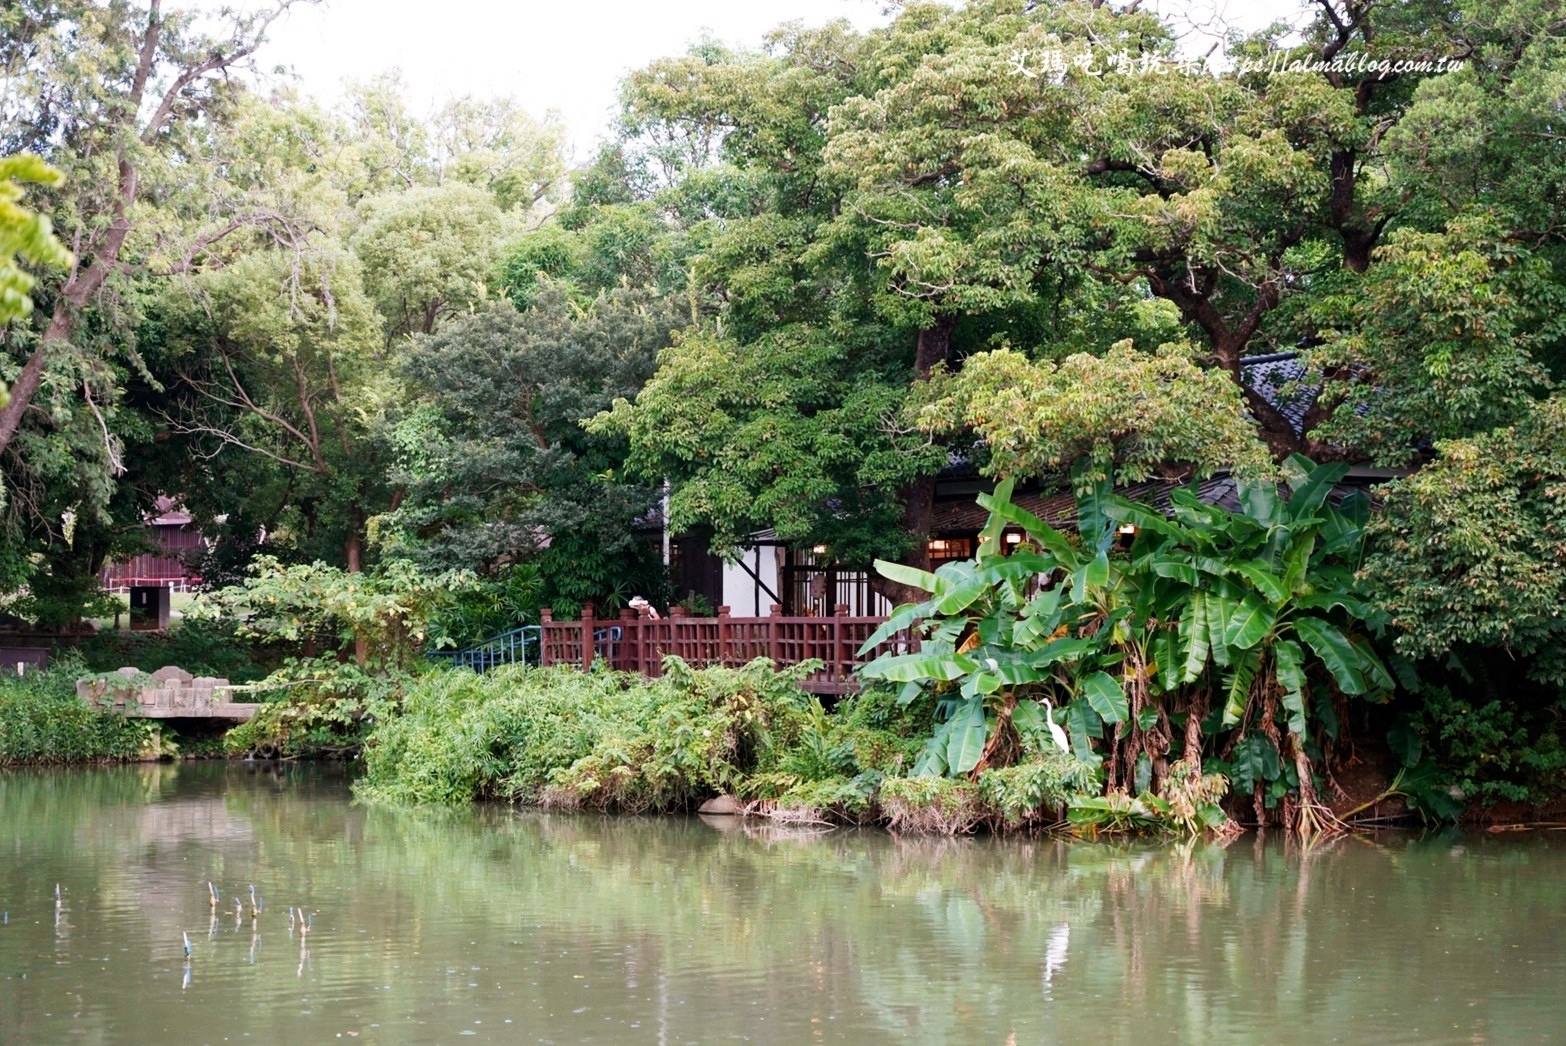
(633, 643)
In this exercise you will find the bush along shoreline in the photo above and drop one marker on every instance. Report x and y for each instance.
(44, 723)
(614, 742)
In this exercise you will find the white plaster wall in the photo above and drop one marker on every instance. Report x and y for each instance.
(741, 594)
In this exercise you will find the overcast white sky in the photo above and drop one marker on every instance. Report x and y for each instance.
(557, 54)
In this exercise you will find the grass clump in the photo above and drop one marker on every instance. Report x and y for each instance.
(42, 721)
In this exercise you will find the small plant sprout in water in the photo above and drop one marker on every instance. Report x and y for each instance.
(213, 891)
(255, 903)
(186, 936)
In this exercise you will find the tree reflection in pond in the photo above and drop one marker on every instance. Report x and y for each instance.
(428, 924)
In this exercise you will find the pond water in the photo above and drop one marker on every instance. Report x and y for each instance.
(493, 925)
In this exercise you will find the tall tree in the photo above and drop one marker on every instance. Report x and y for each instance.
(138, 83)
(280, 357)
(494, 463)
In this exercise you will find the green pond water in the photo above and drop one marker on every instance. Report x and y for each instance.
(503, 926)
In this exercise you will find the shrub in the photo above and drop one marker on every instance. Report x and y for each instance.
(43, 721)
(202, 648)
(603, 740)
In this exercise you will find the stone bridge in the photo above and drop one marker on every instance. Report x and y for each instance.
(168, 693)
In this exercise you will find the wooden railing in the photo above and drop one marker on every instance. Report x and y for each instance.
(633, 643)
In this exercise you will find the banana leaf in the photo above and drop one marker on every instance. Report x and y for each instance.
(1335, 651)
(1105, 696)
(969, 730)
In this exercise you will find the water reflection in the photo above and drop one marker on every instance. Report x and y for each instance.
(426, 926)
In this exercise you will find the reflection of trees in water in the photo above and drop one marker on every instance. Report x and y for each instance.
(852, 931)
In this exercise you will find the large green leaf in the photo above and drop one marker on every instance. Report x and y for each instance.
(1250, 623)
(1310, 483)
(1340, 532)
(1177, 568)
(1193, 629)
(901, 618)
(1259, 500)
(911, 576)
(1335, 651)
(1059, 650)
(1237, 687)
(1356, 608)
(1196, 513)
(989, 537)
(1082, 723)
(903, 668)
(1045, 535)
(1265, 581)
(1290, 660)
(970, 729)
(1142, 517)
(932, 761)
(1013, 667)
(1220, 608)
(1377, 676)
(961, 596)
(1105, 695)
(1296, 559)
(1170, 656)
(1092, 574)
(1255, 761)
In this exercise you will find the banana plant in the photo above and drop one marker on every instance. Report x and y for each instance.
(1006, 642)
(1256, 603)
(1261, 601)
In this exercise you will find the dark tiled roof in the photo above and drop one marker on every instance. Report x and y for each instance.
(1279, 378)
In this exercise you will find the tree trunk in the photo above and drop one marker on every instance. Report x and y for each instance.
(918, 497)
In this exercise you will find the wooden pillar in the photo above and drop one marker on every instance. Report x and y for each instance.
(725, 653)
(677, 633)
(546, 618)
(835, 668)
(773, 640)
(587, 636)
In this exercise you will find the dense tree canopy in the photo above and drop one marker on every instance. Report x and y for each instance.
(795, 284)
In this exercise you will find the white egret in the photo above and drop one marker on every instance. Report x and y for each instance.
(1062, 742)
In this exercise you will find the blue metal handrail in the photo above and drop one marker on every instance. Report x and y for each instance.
(519, 646)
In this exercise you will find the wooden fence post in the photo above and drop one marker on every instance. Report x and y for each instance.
(587, 636)
(837, 675)
(725, 655)
(774, 644)
(546, 617)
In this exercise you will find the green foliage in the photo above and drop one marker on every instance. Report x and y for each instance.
(382, 616)
(1470, 552)
(1129, 414)
(599, 740)
(1491, 748)
(1449, 330)
(319, 707)
(495, 465)
(937, 805)
(25, 236)
(202, 647)
(788, 431)
(428, 253)
(489, 607)
(1256, 606)
(43, 721)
